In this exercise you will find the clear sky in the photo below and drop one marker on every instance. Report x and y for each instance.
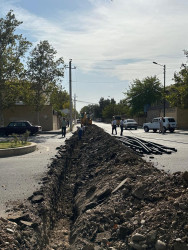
(110, 42)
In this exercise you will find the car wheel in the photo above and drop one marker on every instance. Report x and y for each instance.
(125, 127)
(136, 128)
(146, 129)
(171, 130)
(154, 130)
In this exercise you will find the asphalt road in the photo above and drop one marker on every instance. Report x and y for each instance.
(177, 161)
(20, 175)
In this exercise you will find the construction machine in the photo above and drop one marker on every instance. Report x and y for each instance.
(86, 120)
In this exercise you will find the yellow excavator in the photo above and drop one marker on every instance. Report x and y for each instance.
(86, 120)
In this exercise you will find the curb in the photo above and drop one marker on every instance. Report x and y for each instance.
(18, 151)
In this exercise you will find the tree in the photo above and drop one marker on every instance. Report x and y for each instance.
(178, 93)
(145, 92)
(12, 49)
(104, 103)
(59, 98)
(43, 72)
(112, 109)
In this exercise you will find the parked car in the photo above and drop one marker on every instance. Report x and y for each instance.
(78, 121)
(130, 123)
(99, 120)
(20, 127)
(169, 123)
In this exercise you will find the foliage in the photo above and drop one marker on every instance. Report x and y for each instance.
(25, 137)
(12, 49)
(178, 93)
(59, 99)
(115, 109)
(43, 72)
(145, 92)
(106, 108)
(91, 109)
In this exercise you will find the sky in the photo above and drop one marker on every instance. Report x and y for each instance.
(111, 42)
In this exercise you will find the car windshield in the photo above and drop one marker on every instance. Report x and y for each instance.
(131, 120)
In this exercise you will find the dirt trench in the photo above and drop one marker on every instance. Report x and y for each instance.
(98, 194)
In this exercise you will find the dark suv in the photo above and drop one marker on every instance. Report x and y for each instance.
(20, 127)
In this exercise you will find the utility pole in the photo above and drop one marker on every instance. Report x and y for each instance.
(70, 91)
(164, 100)
(164, 105)
(74, 108)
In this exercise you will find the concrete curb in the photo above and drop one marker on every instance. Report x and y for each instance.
(18, 151)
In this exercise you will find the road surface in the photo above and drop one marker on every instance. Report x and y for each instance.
(177, 161)
(21, 175)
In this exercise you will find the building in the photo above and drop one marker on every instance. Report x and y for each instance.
(49, 119)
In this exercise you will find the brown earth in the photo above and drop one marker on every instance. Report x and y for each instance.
(98, 194)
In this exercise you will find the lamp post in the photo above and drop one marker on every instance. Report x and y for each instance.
(164, 101)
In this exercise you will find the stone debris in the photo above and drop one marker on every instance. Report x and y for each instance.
(98, 194)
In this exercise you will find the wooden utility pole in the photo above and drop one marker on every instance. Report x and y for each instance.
(70, 91)
(74, 108)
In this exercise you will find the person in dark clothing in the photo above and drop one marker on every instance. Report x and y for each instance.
(64, 125)
(121, 126)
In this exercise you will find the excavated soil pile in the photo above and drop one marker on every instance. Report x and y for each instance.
(99, 195)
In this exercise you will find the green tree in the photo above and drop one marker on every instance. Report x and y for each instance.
(12, 50)
(104, 103)
(112, 109)
(59, 98)
(145, 92)
(178, 93)
(44, 72)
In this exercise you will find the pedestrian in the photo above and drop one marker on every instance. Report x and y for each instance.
(67, 122)
(80, 132)
(83, 129)
(114, 126)
(121, 126)
(161, 126)
(63, 125)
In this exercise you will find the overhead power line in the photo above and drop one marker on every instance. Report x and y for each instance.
(86, 102)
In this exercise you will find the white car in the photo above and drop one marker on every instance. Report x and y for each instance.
(169, 123)
(130, 123)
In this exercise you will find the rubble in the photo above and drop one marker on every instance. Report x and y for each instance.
(98, 194)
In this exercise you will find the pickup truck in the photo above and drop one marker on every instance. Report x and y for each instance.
(20, 127)
(169, 123)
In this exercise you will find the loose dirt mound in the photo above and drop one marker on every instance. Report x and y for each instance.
(99, 195)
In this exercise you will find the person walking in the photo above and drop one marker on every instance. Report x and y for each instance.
(64, 125)
(161, 126)
(80, 132)
(121, 126)
(114, 126)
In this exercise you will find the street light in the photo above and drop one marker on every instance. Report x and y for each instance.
(164, 103)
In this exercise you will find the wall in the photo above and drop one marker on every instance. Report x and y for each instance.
(180, 115)
(48, 120)
(182, 118)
